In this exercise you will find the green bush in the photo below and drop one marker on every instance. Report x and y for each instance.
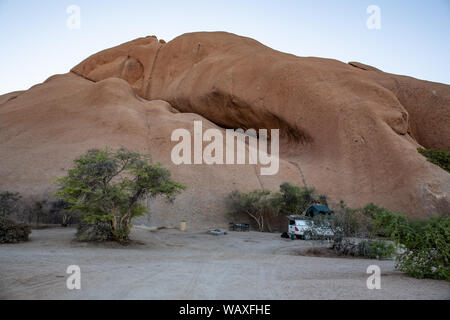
(12, 232)
(295, 200)
(427, 248)
(438, 157)
(426, 242)
(368, 248)
(384, 223)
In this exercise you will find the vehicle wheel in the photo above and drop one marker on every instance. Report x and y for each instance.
(298, 237)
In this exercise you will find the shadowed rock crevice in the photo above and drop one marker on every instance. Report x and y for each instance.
(238, 114)
(148, 92)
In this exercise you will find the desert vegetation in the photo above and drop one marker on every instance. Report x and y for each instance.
(424, 242)
(421, 247)
(11, 231)
(104, 191)
(262, 205)
(107, 187)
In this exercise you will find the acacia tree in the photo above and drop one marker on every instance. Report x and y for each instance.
(255, 204)
(108, 187)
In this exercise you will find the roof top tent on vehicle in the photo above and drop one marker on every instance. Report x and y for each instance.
(318, 209)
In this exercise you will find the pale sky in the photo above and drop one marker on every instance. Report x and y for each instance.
(414, 38)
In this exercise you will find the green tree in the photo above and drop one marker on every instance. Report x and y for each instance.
(8, 202)
(108, 187)
(294, 199)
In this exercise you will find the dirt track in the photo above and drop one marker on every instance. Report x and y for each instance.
(169, 264)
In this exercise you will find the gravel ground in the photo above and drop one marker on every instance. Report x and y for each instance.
(170, 264)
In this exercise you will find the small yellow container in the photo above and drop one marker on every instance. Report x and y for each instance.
(183, 226)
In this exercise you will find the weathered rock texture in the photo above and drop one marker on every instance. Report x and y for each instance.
(350, 130)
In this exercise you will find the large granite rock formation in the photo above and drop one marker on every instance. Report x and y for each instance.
(350, 130)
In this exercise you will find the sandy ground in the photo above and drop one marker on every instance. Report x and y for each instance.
(169, 264)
